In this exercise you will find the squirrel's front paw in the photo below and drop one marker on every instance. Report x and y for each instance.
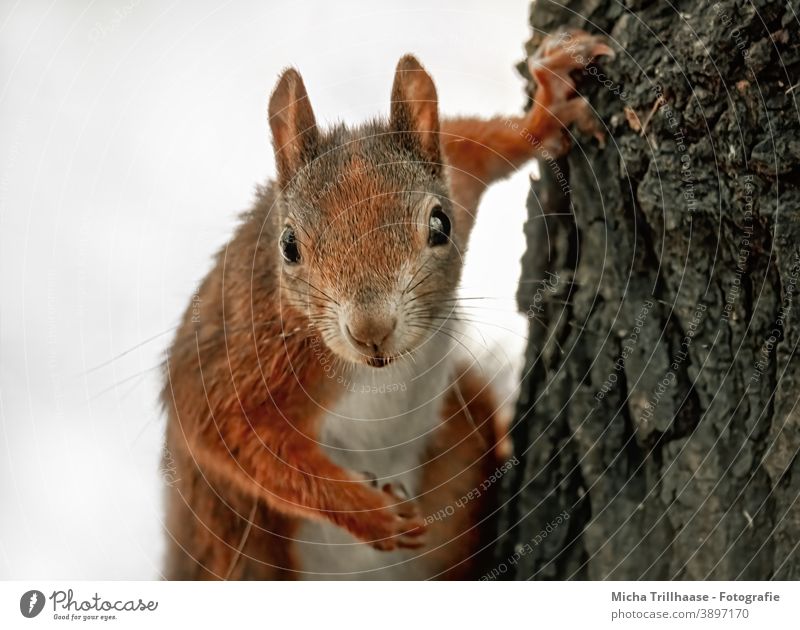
(550, 66)
(400, 525)
(384, 518)
(560, 54)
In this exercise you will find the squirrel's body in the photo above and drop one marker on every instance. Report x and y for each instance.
(320, 420)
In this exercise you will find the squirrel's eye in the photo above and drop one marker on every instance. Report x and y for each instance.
(289, 248)
(439, 226)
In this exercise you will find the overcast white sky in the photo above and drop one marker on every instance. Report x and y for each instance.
(132, 132)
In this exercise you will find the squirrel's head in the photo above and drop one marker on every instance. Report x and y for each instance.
(367, 244)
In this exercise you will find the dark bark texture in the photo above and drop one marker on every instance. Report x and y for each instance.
(658, 426)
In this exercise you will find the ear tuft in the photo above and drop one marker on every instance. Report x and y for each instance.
(294, 129)
(415, 111)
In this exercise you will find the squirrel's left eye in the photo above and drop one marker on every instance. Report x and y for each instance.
(439, 227)
(289, 249)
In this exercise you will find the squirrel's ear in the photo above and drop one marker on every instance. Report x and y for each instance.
(415, 111)
(294, 130)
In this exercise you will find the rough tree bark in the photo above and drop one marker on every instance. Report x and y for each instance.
(658, 424)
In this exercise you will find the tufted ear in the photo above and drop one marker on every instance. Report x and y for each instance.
(291, 119)
(415, 111)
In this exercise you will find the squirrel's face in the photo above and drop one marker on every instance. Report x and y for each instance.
(366, 242)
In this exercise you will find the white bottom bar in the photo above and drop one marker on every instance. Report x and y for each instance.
(523, 605)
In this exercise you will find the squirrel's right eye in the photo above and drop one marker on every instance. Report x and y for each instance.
(439, 226)
(289, 249)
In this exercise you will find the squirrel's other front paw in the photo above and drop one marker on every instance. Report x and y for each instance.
(400, 525)
(569, 50)
(550, 66)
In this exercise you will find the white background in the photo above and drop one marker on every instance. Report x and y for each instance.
(131, 135)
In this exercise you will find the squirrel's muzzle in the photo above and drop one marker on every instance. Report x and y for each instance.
(371, 334)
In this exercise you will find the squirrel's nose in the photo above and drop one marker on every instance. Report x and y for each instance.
(369, 333)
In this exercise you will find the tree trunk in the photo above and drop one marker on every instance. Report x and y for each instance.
(657, 428)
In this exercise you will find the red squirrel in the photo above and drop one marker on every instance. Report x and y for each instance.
(318, 414)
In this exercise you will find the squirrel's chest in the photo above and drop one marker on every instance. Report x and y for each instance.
(381, 425)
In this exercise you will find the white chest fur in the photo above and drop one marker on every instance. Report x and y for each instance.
(381, 425)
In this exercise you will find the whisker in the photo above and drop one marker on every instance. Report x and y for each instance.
(419, 282)
(301, 279)
(504, 360)
(477, 322)
(127, 379)
(452, 336)
(467, 413)
(129, 350)
(420, 268)
(427, 293)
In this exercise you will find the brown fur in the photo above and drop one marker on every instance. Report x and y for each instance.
(246, 385)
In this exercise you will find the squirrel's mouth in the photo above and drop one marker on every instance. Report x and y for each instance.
(379, 361)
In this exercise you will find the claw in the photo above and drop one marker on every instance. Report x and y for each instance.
(370, 478)
(604, 50)
(397, 490)
(411, 543)
(555, 106)
(406, 528)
